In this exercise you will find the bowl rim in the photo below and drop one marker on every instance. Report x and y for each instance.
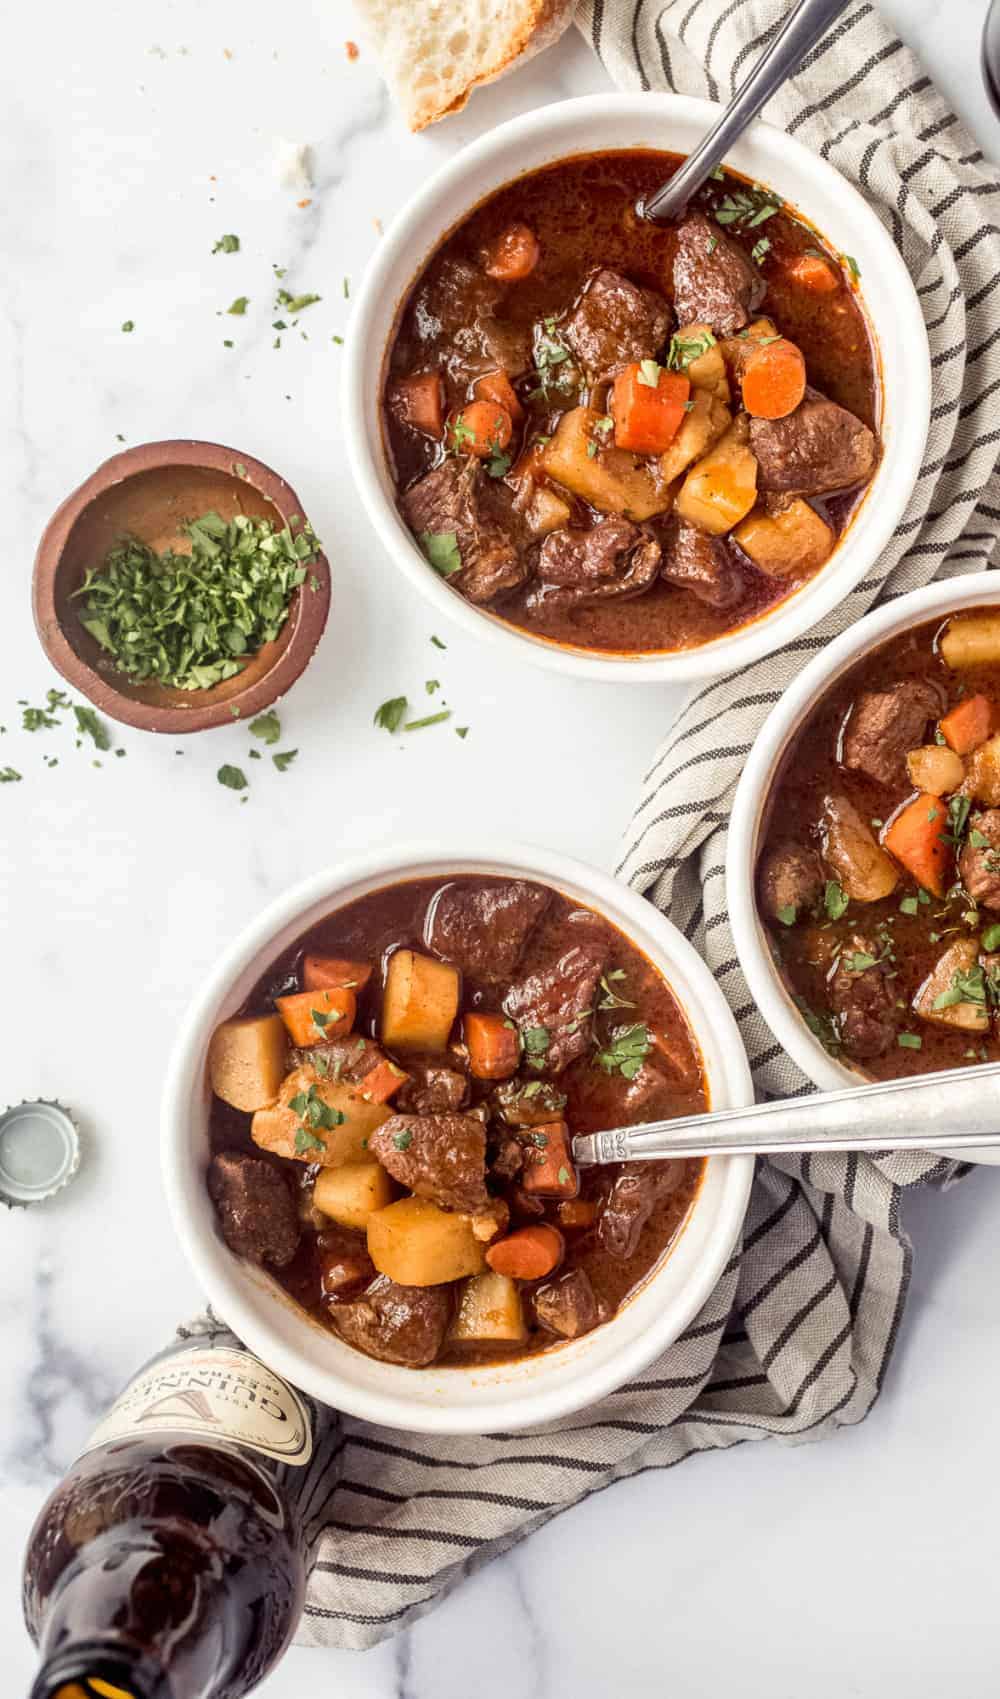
(877, 515)
(308, 618)
(265, 1323)
(786, 717)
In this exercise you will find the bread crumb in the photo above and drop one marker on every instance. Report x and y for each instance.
(293, 163)
(353, 51)
(378, 226)
(306, 202)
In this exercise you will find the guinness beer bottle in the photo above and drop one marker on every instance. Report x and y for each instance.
(171, 1562)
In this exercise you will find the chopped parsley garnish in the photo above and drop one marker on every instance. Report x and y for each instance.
(649, 373)
(128, 326)
(563, 1176)
(535, 1041)
(9, 776)
(909, 1041)
(990, 939)
(266, 726)
(629, 1047)
(549, 355)
(428, 720)
(227, 245)
(431, 685)
(851, 264)
(90, 724)
(978, 839)
(460, 433)
(284, 758)
(315, 1113)
(787, 914)
(403, 1140)
(322, 1018)
(611, 998)
(233, 778)
(438, 643)
(835, 899)
(239, 306)
(909, 905)
(442, 551)
(305, 1140)
(745, 209)
(461, 731)
(760, 250)
(967, 986)
(389, 715)
(859, 961)
(498, 464)
(684, 349)
(821, 1026)
(294, 303)
(958, 815)
(192, 620)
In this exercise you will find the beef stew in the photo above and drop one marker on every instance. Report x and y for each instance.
(393, 1110)
(622, 437)
(879, 873)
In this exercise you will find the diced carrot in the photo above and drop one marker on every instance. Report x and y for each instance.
(577, 1212)
(549, 1170)
(482, 428)
(813, 272)
(419, 401)
(494, 1047)
(647, 414)
(324, 973)
(968, 725)
(513, 255)
(378, 1085)
(312, 1016)
(530, 1253)
(496, 386)
(774, 379)
(915, 836)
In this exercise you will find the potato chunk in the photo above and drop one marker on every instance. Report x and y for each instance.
(862, 866)
(490, 1312)
(610, 479)
(707, 371)
(420, 1003)
(349, 1195)
(295, 1127)
(958, 977)
(417, 1244)
(972, 640)
(546, 511)
(721, 488)
(982, 773)
(247, 1059)
(702, 426)
(934, 769)
(788, 544)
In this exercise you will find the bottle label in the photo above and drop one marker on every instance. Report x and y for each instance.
(215, 1394)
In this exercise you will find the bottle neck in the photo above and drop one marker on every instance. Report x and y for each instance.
(100, 1669)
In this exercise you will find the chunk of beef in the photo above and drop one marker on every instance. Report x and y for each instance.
(256, 1210)
(700, 563)
(979, 865)
(528, 1103)
(615, 322)
(508, 346)
(453, 499)
(817, 448)
(614, 559)
(441, 1157)
(714, 281)
(790, 876)
(431, 1089)
(635, 1193)
(556, 999)
(862, 1000)
(483, 928)
(567, 1305)
(885, 724)
(507, 1160)
(343, 1265)
(405, 1325)
(348, 1059)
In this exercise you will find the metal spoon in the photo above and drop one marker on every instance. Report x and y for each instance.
(800, 31)
(937, 1112)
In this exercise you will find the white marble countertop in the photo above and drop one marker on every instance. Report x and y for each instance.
(863, 1566)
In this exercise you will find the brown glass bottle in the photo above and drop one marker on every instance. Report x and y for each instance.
(171, 1562)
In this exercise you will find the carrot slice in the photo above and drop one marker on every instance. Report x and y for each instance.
(419, 401)
(528, 1254)
(774, 379)
(482, 428)
(549, 1170)
(813, 272)
(312, 1016)
(323, 973)
(496, 386)
(378, 1085)
(494, 1047)
(577, 1212)
(915, 836)
(513, 254)
(968, 725)
(648, 404)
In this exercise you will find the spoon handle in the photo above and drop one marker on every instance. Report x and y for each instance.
(803, 27)
(939, 1111)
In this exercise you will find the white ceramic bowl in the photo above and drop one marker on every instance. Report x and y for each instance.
(767, 987)
(673, 122)
(476, 1400)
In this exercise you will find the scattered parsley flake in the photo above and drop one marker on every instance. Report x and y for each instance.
(909, 1041)
(835, 899)
(284, 758)
(461, 731)
(389, 715)
(629, 1047)
(128, 326)
(438, 643)
(239, 306)
(227, 245)
(91, 725)
(266, 726)
(441, 550)
(403, 1140)
(428, 720)
(232, 777)
(787, 914)
(9, 776)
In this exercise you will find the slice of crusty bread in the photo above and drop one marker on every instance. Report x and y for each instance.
(433, 53)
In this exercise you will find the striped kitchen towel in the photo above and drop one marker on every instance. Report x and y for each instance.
(796, 1338)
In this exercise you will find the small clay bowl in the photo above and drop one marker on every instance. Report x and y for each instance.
(149, 492)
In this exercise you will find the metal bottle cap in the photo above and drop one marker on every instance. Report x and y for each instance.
(39, 1151)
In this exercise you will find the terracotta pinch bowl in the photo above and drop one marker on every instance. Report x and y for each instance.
(150, 492)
